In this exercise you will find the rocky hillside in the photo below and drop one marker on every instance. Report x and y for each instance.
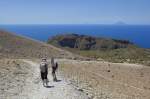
(84, 42)
(101, 48)
(13, 46)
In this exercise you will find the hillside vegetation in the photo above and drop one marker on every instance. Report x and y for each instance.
(101, 48)
(84, 42)
(13, 46)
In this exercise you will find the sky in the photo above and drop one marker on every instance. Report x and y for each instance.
(74, 11)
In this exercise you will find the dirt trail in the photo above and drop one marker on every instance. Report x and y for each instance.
(56, 90)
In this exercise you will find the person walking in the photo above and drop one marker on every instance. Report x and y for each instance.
(54, 66)
(44, 71)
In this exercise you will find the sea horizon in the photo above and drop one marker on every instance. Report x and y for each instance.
(138, 34)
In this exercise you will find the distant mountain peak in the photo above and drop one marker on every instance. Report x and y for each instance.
(120, 23)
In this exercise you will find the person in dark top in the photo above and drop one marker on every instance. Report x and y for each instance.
(44, 71)
(54, 66)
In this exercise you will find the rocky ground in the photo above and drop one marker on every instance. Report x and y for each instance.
(13, 74)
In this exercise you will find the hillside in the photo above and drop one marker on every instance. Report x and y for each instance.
(84, 42)
(101, 48)
(13, 46)
(20, 76)
(77, 79)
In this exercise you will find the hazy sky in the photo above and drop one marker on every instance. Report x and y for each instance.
(74, 11)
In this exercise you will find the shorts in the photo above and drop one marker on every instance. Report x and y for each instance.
(43, 75)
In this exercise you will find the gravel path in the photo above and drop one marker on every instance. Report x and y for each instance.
(56, 90)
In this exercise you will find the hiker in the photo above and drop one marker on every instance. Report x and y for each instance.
(54, 66)
(44, 71)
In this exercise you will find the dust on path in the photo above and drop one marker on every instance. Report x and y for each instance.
(56, 90)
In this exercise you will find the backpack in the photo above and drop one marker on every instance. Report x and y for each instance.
(43, 67)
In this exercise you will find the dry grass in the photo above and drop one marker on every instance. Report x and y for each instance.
(13, 74)
(13, 46)
(103, 80)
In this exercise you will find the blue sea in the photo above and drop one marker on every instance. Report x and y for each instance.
(138, 34)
